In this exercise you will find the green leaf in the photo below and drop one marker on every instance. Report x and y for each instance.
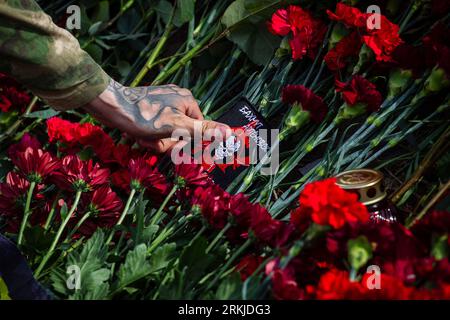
(43, 114)
(230, 287)
(94, 28)
(128, 21)
(101, 12)
(95, 51)
(247, 23)
(94, 273)
(149, 233)
(161, 257)
(194, 261)
(184, 12)
(164, 10)
(135, 266)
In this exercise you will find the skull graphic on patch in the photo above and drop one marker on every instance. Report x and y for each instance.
(232, 145)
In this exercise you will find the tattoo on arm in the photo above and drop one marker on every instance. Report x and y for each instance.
(148, 106)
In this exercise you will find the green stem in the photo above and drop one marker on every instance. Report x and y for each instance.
(155, 53)
(18, 122)
(163, 205)
(78, 225)
(187, 57)
(411, 12)
(430, 205)
(123, 215)
(199, 233)
(218, 236)
(51, 214)
(236, 254)
(26, 212)
(58, 234)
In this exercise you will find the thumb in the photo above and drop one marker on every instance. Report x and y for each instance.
(206, 128)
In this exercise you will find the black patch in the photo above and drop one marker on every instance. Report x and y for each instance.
(241, 114)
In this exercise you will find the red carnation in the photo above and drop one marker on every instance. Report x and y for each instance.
(241, 209)
(306, 100)
(437, 46)
(409, 57)
(348, 15)
(284, 284)
(391, 288)
(81, 175)
(335, 284)
(213, 203)
(337, 58)
(85, 134)
(382, 41)
(248, 265)
(328, 204)
(268, 230)
(307, 32)
(11, 94)
(36, 164)
(360, 91)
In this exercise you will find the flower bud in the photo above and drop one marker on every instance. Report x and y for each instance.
(359, 252)
(398, 80)
(295, 119)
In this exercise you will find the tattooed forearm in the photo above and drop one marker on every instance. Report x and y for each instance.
(151, 114)
(152, 107)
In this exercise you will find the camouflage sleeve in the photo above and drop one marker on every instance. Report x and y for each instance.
(45, 58)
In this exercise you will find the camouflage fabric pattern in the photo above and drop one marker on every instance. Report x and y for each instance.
(46, 58)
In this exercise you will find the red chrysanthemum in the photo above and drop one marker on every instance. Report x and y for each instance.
(27, 141)
(191, 175)
(307, 32)
(36, 164)
(142, 173)
(12, 199)
(11, 190)
(360, 91)
(337, 58)
(104, 207)
(213, 203)
(328, 204)
(80, 175)
(248, 265)
(306, 99)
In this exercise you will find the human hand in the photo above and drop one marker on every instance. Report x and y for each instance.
(150, 114)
